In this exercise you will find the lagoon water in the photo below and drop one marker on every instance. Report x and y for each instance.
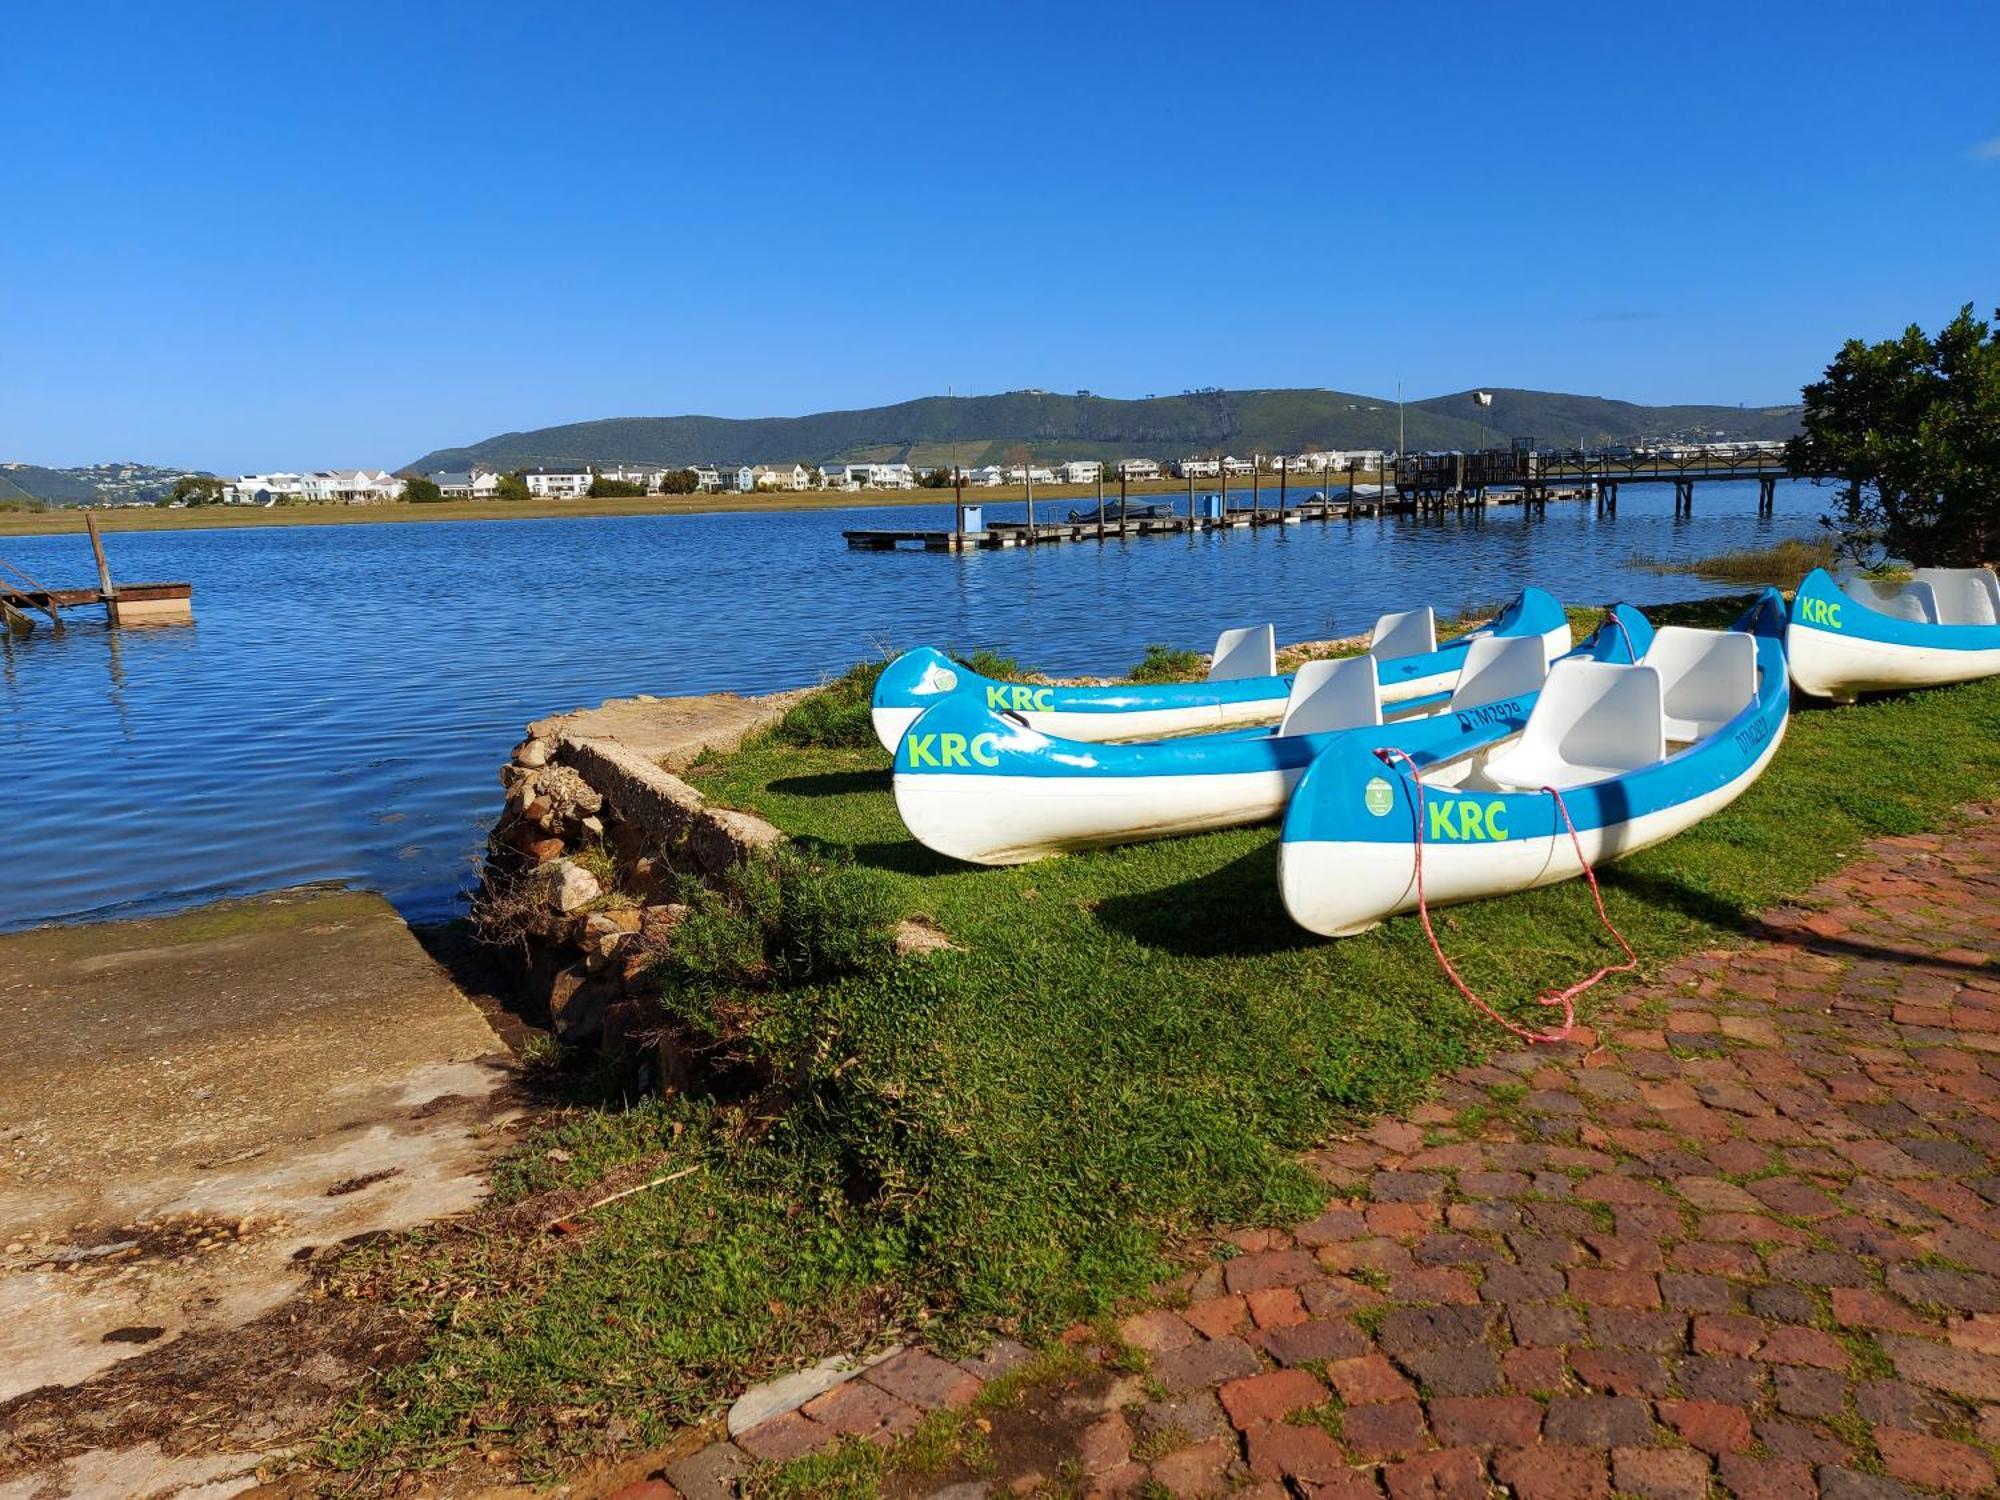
(342, 705)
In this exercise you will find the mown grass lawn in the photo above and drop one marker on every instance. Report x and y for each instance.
(1130, 1048)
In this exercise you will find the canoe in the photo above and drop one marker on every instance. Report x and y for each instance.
(1638, 753)
(1243, 686)
(981, 786)
(1941, 626)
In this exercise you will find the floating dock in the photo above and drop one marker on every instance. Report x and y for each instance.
(124, 603)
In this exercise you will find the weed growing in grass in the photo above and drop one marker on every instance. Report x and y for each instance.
(1170, 664)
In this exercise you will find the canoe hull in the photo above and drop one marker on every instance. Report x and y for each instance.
(1342, 889)
(1842, 667)
(1348, 855)
(1012, 820)
(1838, 647)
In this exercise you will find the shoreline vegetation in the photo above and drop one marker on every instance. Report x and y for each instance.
(59, 520)
(1782, 564)
(1124, 1051)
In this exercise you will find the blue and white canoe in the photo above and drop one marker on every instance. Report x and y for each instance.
(1639, 753)
(982, 786)
(1243, 685)
(1941, 626)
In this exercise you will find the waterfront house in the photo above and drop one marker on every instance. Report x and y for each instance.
(645, 476)
(989, 477)
(894, 477)
(1030, 474)
(355, 486)
(262, 489)
(557, 483)
(780, 477)
(1199, 468)
(1238, 467)
(453, 484)
(1139, 468)
(1082, 471)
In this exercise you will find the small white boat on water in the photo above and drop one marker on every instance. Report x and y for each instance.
(1634, 755)
(1940, 626)
(1243, 686)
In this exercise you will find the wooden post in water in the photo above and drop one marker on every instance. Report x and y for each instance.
(1256, 502)
(958, 504)
(1028, 474)
(1121, 500)
(1100, 502)
(1284, 463)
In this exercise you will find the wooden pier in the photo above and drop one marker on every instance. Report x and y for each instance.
(1418, 484)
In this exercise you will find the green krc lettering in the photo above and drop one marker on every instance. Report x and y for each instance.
(920, 750)
(985, 749)
(951, 749)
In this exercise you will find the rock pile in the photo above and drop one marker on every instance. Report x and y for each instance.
(584, 867)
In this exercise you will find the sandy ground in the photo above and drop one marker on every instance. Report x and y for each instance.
(190, 1109)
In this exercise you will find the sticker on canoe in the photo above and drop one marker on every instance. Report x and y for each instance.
(1011, 695)
(1378, 797)
(1822, 612)
(1465, 822)
(945, 750)
(1489, 713)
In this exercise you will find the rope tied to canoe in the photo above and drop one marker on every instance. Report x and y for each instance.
(1564, 998)
(1631, 650)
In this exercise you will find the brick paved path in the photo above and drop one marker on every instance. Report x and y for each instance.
(1745, 1240)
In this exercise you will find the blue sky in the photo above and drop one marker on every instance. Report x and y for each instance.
(300, 235)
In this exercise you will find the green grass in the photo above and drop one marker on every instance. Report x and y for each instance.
(1132, 1048)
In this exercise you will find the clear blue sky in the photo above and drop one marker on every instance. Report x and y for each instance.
(301, 235)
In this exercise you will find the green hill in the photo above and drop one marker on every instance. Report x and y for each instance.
(1019, 424)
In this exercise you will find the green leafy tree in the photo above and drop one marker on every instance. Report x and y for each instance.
(678, 482)
(420, 490)
(935, 479)
(614, 489)
(1909, 431)
(510, 487)
(198, 489)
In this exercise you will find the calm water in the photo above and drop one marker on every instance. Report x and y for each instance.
(341, 707)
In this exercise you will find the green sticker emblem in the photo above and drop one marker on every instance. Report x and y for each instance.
(1378, 797)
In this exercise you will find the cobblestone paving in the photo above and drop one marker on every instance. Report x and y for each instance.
(1744, 1239)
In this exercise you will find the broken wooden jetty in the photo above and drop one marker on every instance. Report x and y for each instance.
(22, 596)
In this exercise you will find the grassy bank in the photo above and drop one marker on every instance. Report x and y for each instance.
(1129, 1049)
(1781, 565)
(70, 519)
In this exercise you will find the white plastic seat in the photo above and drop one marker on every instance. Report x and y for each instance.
(1707, 677)
(1412, 632)
(1500, 666)
(1249, 652)
(1915, 602)
(1965, 596)
(1594, 720)
(1329, 695)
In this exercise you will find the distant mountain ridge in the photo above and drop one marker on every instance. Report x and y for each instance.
(88, 484)
(1043, 425)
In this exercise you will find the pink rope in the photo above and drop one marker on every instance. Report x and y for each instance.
(1565, 998)
(1630, 650)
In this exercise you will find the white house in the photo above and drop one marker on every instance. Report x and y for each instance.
(780, 477)
(1235, 467)
(1082, 471)
(1139, 468)
(262, 489)
(355, 486)
(869, 477)
(1199, 468)
(895, 477)
(645, 476)
(1030, 474)
(989, 477)
(475, 485)
(558, 484)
